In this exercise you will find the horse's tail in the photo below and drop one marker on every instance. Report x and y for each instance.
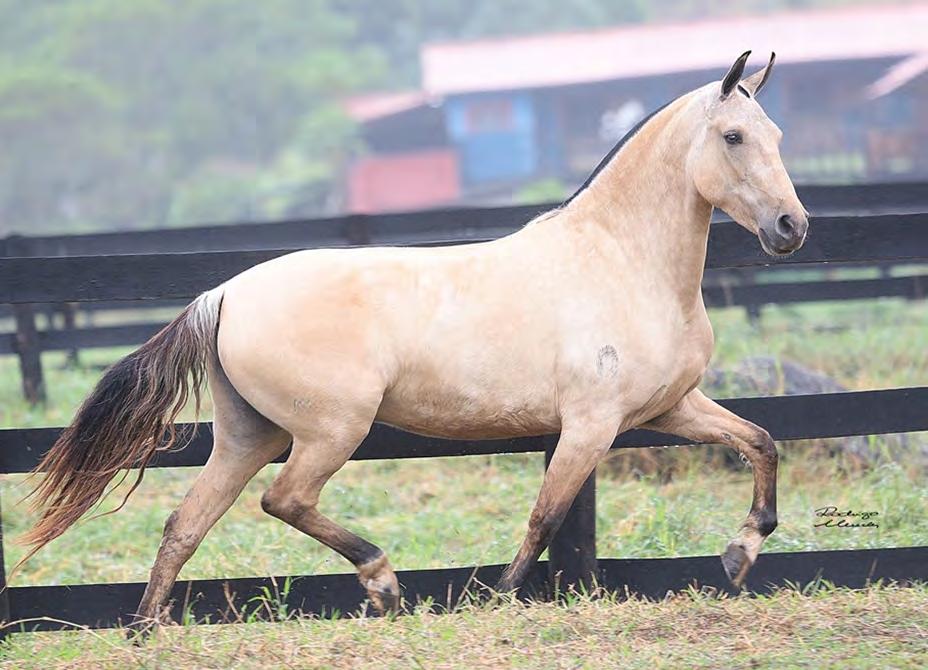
(125, 420)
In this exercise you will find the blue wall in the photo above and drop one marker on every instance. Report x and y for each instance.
(494, 134)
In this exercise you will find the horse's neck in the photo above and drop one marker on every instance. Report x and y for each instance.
(644, 199)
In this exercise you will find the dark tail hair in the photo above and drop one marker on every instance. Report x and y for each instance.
(126, 419)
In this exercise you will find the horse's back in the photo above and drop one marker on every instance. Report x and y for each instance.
(436, 335)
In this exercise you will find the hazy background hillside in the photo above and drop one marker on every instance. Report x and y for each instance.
(146, 113)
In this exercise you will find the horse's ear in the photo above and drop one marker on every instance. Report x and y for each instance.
(734, 75)
(757, 80)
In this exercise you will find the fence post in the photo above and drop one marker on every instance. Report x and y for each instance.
(30, 353)
(4, 594)
(69, 324)
(572, 552)
(28, 347)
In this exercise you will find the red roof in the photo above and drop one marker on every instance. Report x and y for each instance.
(640, 50)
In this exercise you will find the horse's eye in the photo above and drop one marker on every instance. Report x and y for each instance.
(733, 138)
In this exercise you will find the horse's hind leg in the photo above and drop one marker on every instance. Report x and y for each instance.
(243, 443)
(294, 495)
(699, 418)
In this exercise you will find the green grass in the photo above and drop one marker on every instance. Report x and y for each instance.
(882, 627)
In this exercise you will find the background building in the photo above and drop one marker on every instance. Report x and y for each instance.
(499, 119)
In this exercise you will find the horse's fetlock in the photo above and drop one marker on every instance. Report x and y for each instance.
(766, 522)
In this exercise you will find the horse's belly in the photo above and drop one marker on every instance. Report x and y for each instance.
(465, 411)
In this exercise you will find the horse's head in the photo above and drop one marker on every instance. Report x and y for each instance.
(736, 165)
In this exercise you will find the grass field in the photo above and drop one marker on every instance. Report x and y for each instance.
(882, 627)
(465, 511)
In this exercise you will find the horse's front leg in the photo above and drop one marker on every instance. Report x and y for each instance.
(698, 418)
(580, 447)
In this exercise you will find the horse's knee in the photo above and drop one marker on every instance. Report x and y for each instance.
(764, 444)
(760, 446)
(270, 503)
(282, 506)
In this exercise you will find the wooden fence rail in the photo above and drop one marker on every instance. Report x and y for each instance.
(408, 227)
(900, 237)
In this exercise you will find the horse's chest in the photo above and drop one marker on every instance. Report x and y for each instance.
(647, 368)
(674, 364)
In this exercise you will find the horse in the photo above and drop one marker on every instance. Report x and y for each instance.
(587, 322)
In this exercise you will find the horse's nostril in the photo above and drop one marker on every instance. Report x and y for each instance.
(785, 226)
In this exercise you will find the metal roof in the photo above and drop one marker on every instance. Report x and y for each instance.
(538, 61)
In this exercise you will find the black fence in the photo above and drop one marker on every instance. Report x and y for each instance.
(572, 556)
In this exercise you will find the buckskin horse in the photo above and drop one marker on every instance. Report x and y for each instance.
(588, 321)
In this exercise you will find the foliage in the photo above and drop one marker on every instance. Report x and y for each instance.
(129, 114)
(119, 114)
(543, 190)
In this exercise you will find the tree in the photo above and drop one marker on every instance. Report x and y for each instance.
(132, 105)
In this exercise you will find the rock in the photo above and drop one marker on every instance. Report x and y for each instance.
(765, 375)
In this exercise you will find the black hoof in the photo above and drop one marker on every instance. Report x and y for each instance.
(138, 633)
(385, 602)
(736, 563)
(504, 587)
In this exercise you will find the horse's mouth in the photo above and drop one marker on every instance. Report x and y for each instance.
(772, 249)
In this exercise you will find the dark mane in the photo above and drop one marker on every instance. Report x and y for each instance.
(605, 161)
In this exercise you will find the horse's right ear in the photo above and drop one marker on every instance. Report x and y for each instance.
(734, 75)
(757, 80)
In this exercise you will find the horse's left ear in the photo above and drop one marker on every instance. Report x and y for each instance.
(734, 75)
(757, 80)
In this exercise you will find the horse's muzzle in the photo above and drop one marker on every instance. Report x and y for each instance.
(785, 235)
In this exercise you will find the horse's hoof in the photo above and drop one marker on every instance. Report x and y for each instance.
(504, 587)
(736, 562)
(384, 601)
(138, 633)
